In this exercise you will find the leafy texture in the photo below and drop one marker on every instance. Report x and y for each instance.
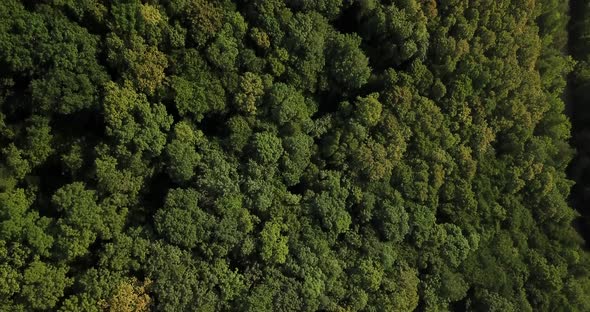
(298, 155)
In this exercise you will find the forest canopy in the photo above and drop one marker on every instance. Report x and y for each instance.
(296, 155)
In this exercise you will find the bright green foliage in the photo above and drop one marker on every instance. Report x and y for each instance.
(266, 147)
(274, 246)
(299, 155)
(182, 153)
(133, 122)
(43, 285)
(81, 221)
(23, 225)
(369, 109)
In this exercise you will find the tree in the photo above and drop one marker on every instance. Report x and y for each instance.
(329, 204)
(369, 109)
(251, 90)
(298, 152)
(81, 222)
(131, 296)
(289, 107)
(305, 41)
(349, 67)
(182, 152)
(266, 147)
(133, 122)
(171, 221)
(43, 285)
(274, 246)
(21, 224)
(196, 89)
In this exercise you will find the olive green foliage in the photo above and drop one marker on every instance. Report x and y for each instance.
(299, 155)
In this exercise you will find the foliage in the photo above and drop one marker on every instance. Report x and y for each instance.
(299, 155)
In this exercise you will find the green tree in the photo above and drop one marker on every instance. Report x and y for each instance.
(349, 67)
(81, 222)
(43, 285)
(20, 223)
(181, 205)
(182, 153)
(133, 122)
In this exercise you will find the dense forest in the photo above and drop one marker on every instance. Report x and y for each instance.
(294, 155)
